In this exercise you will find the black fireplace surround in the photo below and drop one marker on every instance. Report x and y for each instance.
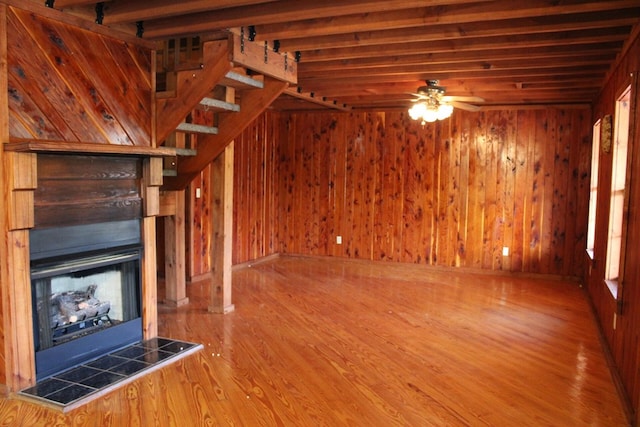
(86, 292)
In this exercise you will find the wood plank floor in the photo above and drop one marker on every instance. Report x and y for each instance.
(319, 342)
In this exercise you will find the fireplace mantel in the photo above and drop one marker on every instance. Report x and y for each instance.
(21, 178)
(30, 146)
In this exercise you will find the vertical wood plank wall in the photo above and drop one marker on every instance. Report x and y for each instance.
(453, 193)
(623, 338)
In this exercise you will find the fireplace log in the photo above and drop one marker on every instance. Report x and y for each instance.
(75, 306)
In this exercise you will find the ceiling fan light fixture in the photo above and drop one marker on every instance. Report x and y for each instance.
(430, 111)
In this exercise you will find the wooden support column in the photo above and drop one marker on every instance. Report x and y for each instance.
(19, 182)
(222, 241)
(4, 137)
(152, 179)
(149, 280)
(174, 252)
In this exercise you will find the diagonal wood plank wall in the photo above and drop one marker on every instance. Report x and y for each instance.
(70, 84)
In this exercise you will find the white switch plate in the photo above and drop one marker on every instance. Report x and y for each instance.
(339, 240)
(505, 251)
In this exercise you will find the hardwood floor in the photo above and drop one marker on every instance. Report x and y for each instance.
(320, 342)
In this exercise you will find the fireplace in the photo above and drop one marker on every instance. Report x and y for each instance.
(85, 286)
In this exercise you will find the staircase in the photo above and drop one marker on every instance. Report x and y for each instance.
(208, 92)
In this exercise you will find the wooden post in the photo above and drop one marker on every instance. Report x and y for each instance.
(18, 182)
(174, 258)
(149, 280)
(152, 179)
(4, 137)
(222, 241)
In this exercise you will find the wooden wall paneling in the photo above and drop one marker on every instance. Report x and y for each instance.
(113, 79)
(82, 189)
(510, 164)
(350, 225)
(456, 193)
(385, 194)
(322, 178)
(559, 184)
(367, 178)
(73, 94)
(285, 163)
(429, 173)
(462, 124)
(524, 169)
(46, 86)
(378, 236)
(339, 187)
(416, 180)
(580, 163)
(490, 210)
(477, 188)
(239, 207)
(469, 201)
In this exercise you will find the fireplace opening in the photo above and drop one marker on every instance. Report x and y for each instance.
(86, 298)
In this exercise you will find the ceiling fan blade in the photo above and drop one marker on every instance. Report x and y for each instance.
(464, 106)
(451, 98)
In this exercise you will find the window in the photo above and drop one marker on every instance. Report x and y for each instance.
(593, 196)
(618, 182)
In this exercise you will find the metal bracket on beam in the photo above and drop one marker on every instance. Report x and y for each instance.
(49, 3)
(252, 33)
(139, 28)
(99, 13)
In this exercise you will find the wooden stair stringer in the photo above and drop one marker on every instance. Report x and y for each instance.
(253, 104)
(192, 86)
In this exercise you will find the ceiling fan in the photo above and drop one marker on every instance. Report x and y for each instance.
(432, 104)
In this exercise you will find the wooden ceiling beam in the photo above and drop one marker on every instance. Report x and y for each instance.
(568, 38)
(280, 13)
(422, 75)
(425, 16)
(615, 20)
(564, 52)
(485, 67)
(461, 87)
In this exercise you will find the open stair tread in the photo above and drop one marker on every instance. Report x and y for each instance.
(195, 128)
(241, 81)
(219, 105)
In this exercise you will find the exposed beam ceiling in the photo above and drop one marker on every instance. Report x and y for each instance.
(375, 53)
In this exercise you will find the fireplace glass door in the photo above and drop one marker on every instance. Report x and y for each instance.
(82, 305)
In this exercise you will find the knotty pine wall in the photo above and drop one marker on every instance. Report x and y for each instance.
(446, 194)
(622, 336)
(453, 193)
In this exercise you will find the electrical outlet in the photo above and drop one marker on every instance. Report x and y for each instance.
(505, 251)
(339, 240)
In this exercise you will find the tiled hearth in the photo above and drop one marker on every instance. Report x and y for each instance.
(80, 384)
